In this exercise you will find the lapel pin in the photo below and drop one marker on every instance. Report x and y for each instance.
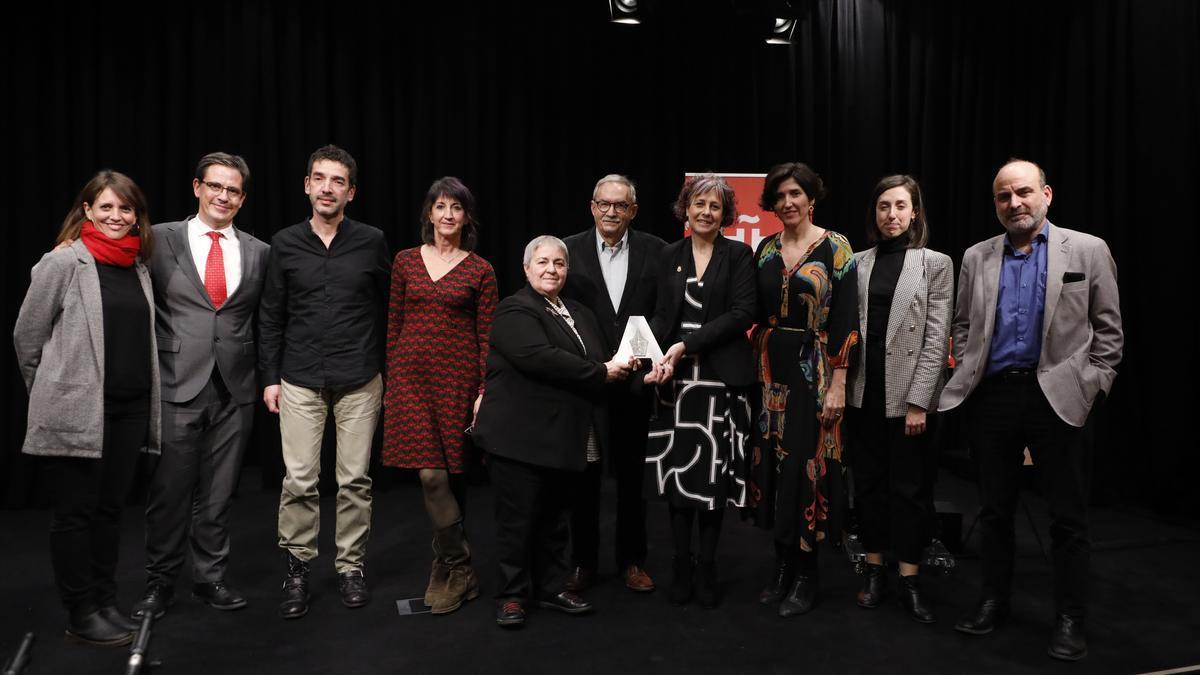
(679, 268)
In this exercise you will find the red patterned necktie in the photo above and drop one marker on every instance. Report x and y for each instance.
(214, 271)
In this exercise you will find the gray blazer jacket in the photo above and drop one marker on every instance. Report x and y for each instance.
(918, 330)
(192, 335)
(1081, 326)
(59, 337)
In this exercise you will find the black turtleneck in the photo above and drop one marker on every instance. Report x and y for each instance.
(889, 260)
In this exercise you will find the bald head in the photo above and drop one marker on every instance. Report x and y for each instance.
(1022, 198)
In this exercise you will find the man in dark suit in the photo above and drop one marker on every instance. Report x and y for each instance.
(613, 274)
(207, 276)
(1037, 338)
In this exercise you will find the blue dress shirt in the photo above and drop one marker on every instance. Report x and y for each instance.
(1017, 336)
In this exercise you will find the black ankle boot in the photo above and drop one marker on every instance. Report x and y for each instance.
(681, 580)
(781, 581)
(910, 599)
(89, 627)
(874, 581)
(295, 589)
(708, 592)
(802, 597)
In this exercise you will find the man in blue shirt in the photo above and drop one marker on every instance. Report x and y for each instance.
(1037, 338)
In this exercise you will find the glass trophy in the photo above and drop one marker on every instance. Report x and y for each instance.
(638, 341)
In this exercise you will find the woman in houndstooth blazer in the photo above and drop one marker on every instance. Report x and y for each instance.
(905, 296)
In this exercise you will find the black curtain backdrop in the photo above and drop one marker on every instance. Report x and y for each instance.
(530, 102)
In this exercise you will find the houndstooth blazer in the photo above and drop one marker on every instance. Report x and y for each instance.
(918, 330)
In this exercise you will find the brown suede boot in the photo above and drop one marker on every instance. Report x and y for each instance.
(461, 582)
(438, 573)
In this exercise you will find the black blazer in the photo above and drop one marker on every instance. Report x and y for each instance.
(542, 393)
(729, 302)
(585, 283)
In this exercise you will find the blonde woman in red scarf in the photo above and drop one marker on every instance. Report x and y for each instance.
(86, 348)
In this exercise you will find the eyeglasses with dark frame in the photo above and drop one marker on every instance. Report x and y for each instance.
(603, 206)
(217, 188)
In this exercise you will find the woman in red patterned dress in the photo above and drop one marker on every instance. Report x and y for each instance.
(439, 315)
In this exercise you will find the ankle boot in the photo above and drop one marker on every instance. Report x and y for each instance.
(874, 581)
(910, 599)
(461, 582)
(89, 627)
(439, 571)
(801, 599)
(781, 581)
(708, 592)
(295, 589)
(681, 579)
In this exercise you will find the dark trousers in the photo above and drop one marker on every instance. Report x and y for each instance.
(85, 528)
(626, 458)
(531, 526)
(1008, 414)
(585, 518)
(192, 488)
(891, 488)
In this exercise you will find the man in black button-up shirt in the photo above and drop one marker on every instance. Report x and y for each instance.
(322, 318)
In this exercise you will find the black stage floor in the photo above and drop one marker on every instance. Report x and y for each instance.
(1144, 611)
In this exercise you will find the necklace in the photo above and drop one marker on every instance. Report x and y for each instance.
(453, 256)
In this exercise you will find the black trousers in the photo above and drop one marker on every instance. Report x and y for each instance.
(531, 526)
(585, 518)
(1007, 414)
(85, 528)
(629, 423)
(193, 484)
(891, 485)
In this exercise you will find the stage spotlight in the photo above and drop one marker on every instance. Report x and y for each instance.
(781, 32)
(624, 11)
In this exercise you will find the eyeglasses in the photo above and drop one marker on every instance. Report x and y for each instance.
(621, 207)
(217, 188)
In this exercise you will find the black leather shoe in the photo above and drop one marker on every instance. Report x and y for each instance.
(874, 582)
(682, 568)
(801, 599)
(910, 599)
(777, 588)
(93, 629)
(989, 614)
(218, 595)
(566, 602)
(155, 600)
(353, 586)
(510, 614)
(708, 590)
(114, 616)
(580, 579)
(295, 589)
(1067, 642)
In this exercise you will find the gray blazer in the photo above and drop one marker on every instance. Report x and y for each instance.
(1081, 326)
(59, 338)
(192, 335)
(917, 332)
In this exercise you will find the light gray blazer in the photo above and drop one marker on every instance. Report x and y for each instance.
(59, 338)
(917, 331)
(1081, 325)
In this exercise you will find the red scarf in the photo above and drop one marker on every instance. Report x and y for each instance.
(120, 252)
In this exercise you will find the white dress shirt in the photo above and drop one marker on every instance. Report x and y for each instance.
(231, 251)
(614, 265)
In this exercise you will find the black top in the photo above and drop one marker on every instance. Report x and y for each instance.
(728, 299)
(126, 333)
(881, 288)
(692, 316)
(544, 389)
(322, 314)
